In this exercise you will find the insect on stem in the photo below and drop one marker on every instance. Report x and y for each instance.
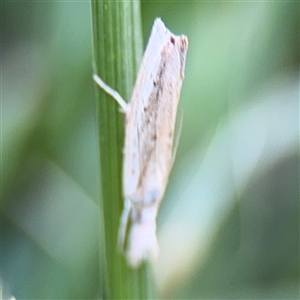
(149, 133)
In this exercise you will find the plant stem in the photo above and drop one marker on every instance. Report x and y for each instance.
(117, 55)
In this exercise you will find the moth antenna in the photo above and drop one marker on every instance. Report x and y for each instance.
(112, 92)
(177, 139)
(123, 225)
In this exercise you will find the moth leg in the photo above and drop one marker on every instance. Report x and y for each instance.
(123, 225)
(112, 92)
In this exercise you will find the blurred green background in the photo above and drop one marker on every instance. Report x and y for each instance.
(229, 224)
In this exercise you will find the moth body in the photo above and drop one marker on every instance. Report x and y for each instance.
(148, 150)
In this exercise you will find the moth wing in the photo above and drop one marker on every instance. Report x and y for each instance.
(133, 160)
(165, 99)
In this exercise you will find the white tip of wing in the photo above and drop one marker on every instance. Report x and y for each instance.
(143, 244)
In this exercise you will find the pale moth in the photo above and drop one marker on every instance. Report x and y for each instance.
(148, 151)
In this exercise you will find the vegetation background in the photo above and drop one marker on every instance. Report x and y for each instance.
(229, 223)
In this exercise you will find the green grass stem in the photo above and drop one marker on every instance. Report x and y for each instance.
(117, 50)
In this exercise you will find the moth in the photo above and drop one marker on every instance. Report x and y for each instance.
(149, 135)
